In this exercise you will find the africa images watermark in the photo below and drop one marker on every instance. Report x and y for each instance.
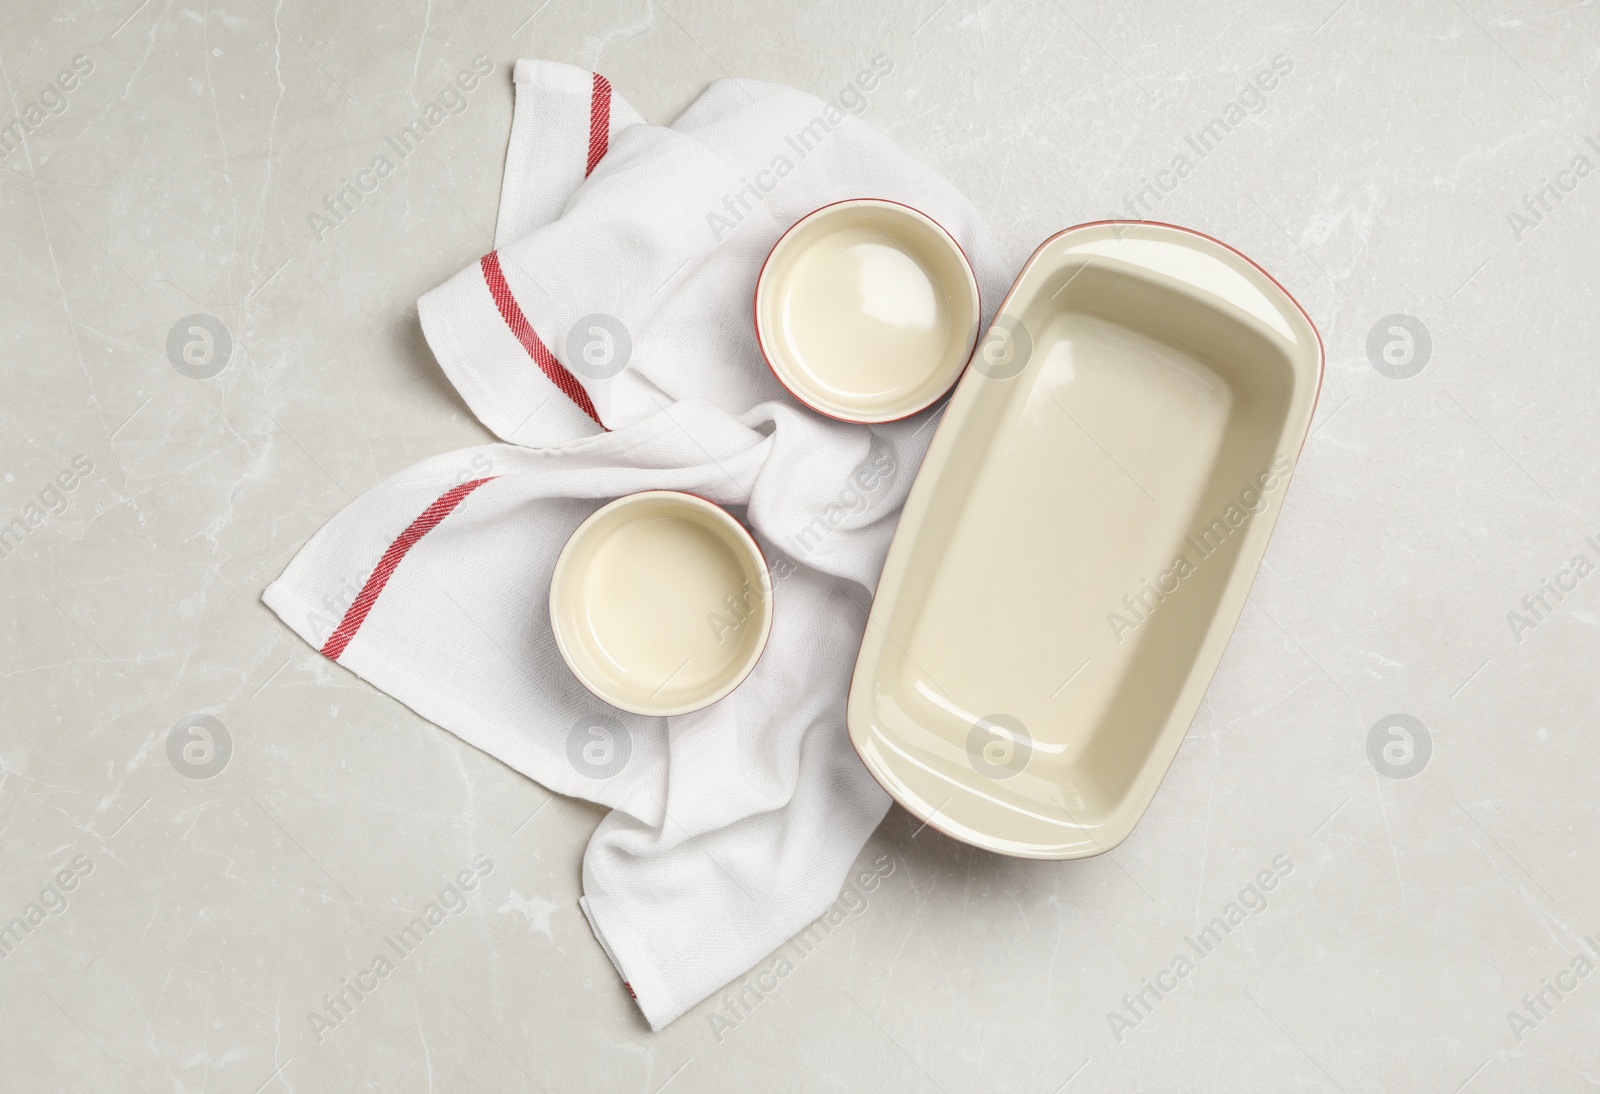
(1399, 346)
(1203, 543)
(452, 99)
(599, 746)
(1149, 193)
(340, 1003)
(738, 608)
(744, 995)
(199, 346)
(50, 102)
(1540, 604)
(1252, 900)
(1539, 1005)
(868, 479)
(1538, 205)
(874, 473)
(199, 746)
(851, 99)
(48, 501)
(52, 900)
(1399, 746)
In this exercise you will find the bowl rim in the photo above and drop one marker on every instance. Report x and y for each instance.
(764, 611)
(898, 415)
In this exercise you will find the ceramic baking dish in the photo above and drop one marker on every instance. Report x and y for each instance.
(1081, 538)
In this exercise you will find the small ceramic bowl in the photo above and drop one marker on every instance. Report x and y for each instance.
(867, 310)
(661, 603)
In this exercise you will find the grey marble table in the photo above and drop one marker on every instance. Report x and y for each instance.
(1402, 731)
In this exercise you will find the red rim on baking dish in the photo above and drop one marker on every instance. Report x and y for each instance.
(867, 310)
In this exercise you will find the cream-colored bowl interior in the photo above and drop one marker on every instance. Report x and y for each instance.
(867, 310)
(661, 603)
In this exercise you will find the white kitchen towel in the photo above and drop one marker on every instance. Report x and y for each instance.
(608, 340)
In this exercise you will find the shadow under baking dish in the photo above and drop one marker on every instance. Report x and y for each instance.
(660, 603)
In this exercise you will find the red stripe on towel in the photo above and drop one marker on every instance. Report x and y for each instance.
(511, 312)
(357, 612)
(599, 121)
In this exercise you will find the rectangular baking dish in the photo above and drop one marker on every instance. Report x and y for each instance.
(1081, 538)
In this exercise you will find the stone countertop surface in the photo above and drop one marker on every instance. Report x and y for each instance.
(1402, 732)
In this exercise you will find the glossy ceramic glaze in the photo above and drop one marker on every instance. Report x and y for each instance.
(660, 603)
(1081, 538)
(867, 310)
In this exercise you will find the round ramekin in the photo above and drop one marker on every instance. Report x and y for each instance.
(867, 310)
(661, 602)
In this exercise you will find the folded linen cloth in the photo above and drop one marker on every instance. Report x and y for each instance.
(633, 247)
